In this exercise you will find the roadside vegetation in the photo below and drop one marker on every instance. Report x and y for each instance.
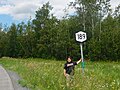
(41, 74)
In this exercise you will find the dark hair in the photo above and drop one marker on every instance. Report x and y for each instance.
(70, 58)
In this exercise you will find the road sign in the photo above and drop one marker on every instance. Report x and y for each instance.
(81, 36)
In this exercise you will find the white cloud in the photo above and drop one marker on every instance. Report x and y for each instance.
(114, 3)
(23, 9)
(5, 9)
(20, 9)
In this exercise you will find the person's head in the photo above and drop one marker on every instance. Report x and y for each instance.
(69, 59)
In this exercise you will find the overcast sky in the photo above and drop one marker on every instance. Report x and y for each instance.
(20, 10)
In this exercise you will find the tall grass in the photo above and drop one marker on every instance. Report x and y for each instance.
(39, 74)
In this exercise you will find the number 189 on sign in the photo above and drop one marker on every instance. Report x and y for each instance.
(81, 36)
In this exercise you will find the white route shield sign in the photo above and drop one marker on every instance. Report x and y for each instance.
(81, 36)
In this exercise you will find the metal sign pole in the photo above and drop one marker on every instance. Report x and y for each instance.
(82, 57)
(81, 37)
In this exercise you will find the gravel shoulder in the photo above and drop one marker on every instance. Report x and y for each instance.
(15, 78)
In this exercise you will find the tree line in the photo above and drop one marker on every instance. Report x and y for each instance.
(49, 37)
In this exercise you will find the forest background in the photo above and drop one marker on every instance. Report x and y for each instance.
(47, 37)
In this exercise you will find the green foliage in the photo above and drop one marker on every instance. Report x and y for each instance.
(3, 43)
(12, 41)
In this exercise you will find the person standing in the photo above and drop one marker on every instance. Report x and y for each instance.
(69, 70)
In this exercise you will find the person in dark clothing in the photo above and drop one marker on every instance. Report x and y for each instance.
(69, 70)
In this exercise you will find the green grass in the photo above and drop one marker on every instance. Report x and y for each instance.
(39, 74)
